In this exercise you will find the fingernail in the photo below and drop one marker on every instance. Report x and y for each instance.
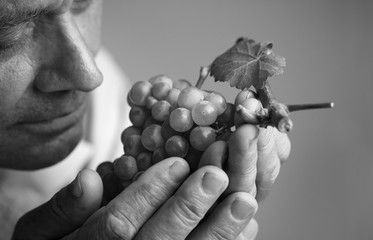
(241, 209)
(76, 188)
(178, 170)
(212, 184)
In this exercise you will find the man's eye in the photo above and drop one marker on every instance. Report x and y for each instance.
(15, 37)
(9, 38)
(80, 5)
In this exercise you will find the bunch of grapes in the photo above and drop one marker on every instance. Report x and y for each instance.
(175, 119)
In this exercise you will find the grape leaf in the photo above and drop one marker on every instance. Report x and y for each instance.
(247, 64)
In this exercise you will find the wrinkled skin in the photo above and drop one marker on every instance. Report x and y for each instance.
(46, 73)
(251, 159)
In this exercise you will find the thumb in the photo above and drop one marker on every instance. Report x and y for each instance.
(66, 211)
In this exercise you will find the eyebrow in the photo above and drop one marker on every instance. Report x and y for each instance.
(22, 16)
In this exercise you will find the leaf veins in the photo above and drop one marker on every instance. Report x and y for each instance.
(247, 64)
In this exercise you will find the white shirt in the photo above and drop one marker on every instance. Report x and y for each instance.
(21, 191)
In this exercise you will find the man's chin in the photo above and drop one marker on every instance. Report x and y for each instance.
(42, 153)
(52, 153)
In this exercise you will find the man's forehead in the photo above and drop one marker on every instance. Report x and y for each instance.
(10, 7)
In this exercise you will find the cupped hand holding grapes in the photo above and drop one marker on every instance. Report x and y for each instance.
(173, 118)
(165, 202)
(203, 128)
(195, 120)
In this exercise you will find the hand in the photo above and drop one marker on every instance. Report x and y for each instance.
(252, 161)
(163, 203)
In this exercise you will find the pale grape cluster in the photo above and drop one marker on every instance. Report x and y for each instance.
(173, 118)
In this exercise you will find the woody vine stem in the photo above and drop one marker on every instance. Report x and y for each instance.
(274, 113)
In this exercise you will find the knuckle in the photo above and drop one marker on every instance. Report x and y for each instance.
(265, 136)
(189, 213)
(222, 233)
(243, 181)
(269, 176)
(121, 221)
(151, 195)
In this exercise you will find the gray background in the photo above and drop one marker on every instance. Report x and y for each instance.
(324, 190)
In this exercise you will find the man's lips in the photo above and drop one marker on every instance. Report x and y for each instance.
(54, 123)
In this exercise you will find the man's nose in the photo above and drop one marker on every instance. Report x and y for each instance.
(70, 63)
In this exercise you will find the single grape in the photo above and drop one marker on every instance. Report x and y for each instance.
(181, 119)
(251, 107)
(218, 101)
(140, 92)
(144, 161)
(133, 146)
(158, 155)
(173, 97)
(181, 84)
(177, 146)
(131, 130)
(161, 90)
(161, 78)
(129, 101)
(111, 183)
(201, 137)
(204, 113)
(243, 95)
(161, 110)
(151, 137)
(105, 168)
(125, 167)
(189, 97)
(227, 117)
(138, 115)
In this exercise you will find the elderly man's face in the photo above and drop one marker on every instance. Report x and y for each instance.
(46, 72)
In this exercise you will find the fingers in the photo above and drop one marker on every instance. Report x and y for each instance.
(228, 220)
(181, 214)
(242, 160)
(269, 162)
(216, 155)
(65, 212)
(283, 145)
(126, 214)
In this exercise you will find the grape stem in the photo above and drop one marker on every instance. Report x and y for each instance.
(203, 74)
(278, 113)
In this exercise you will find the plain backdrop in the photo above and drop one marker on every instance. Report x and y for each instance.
(325, 189)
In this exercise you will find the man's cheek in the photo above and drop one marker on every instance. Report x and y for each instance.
(16, 76)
